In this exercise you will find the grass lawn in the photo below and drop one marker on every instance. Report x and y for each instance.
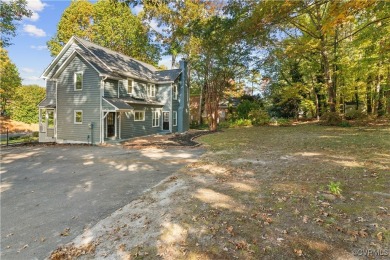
(262, 193)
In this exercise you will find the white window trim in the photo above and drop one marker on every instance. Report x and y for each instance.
(141, 111)
(154, 118)
(74, 117)
(132, 86)
(174, 118)
(149, 90)
(175, 93)
(75, 80)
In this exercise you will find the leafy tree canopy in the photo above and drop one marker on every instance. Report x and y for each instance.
(25, 102)
(107, 23)
(9, 80)
(10, 13)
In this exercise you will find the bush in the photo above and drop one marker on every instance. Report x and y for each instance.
(245, 107)
(241, 122)
(331, 118)
(259, 117)
(224, 124)
(345, 124)
(355, 115)
(283, 122)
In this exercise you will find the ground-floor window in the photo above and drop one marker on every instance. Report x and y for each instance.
(139, 115)
(174, 118)
(78, 116)
(155, 118)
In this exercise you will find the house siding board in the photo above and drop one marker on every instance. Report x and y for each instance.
(50, 98)
(87, 100)
(72, 47)
(131, 128)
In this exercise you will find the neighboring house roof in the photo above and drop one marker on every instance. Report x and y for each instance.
(114, 64)
(231, 102)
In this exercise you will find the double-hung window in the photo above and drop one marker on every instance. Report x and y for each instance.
(139, 115)
(174, 118)
(78, 116)
(174, 90)
(78, 81)
(156, 118)
(151, 90)
(130, 83)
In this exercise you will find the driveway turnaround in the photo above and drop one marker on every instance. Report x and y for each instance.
(50, 194)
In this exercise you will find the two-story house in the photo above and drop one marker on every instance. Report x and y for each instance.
(94, 94)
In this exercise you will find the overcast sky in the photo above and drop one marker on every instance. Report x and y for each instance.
(29, 51)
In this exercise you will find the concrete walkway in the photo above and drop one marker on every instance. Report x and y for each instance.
(50, 194)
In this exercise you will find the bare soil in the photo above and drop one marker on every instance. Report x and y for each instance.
(262, 193)
(166, 140)
(16, 127)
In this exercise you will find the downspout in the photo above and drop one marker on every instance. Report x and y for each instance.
(55, 115)
(170, 111)
(101, 108)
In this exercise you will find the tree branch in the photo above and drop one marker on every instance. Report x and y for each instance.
(365, 26)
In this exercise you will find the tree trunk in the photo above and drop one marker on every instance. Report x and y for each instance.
(381, 97)
(356, 98)
(369, 95)
(327, 76)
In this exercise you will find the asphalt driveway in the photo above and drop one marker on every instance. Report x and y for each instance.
(50, 194)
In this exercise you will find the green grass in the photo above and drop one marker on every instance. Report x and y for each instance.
(19, 140)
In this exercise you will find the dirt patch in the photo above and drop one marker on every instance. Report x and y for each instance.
(16, 127)
(168, 140)
(228, 206)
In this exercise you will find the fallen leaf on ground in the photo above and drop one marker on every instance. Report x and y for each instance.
(65, 232)
(298, 252)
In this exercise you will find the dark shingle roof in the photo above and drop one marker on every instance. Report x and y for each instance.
(141, 101)
(114, 63)
(119, 104)
(48, 103)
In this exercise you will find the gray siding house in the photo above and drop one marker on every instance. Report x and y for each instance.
(94, 94)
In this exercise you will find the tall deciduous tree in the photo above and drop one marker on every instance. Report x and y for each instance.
(9, 80)
(115, 27)
(316, 31)
(107, 23)
(10, 13)
(24, 104)
(76, 20)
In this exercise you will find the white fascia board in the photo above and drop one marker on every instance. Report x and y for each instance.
(57, 58)
(69, 59)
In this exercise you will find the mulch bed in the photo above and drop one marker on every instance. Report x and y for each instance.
(169, 140)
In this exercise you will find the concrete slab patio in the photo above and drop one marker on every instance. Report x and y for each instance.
(50, 194)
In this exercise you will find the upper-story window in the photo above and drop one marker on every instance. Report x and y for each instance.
(151, 90)
(130, 87)
(78, 81)
(174, 90)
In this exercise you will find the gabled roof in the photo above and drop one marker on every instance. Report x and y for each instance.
(114, 64)
(118, 104)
